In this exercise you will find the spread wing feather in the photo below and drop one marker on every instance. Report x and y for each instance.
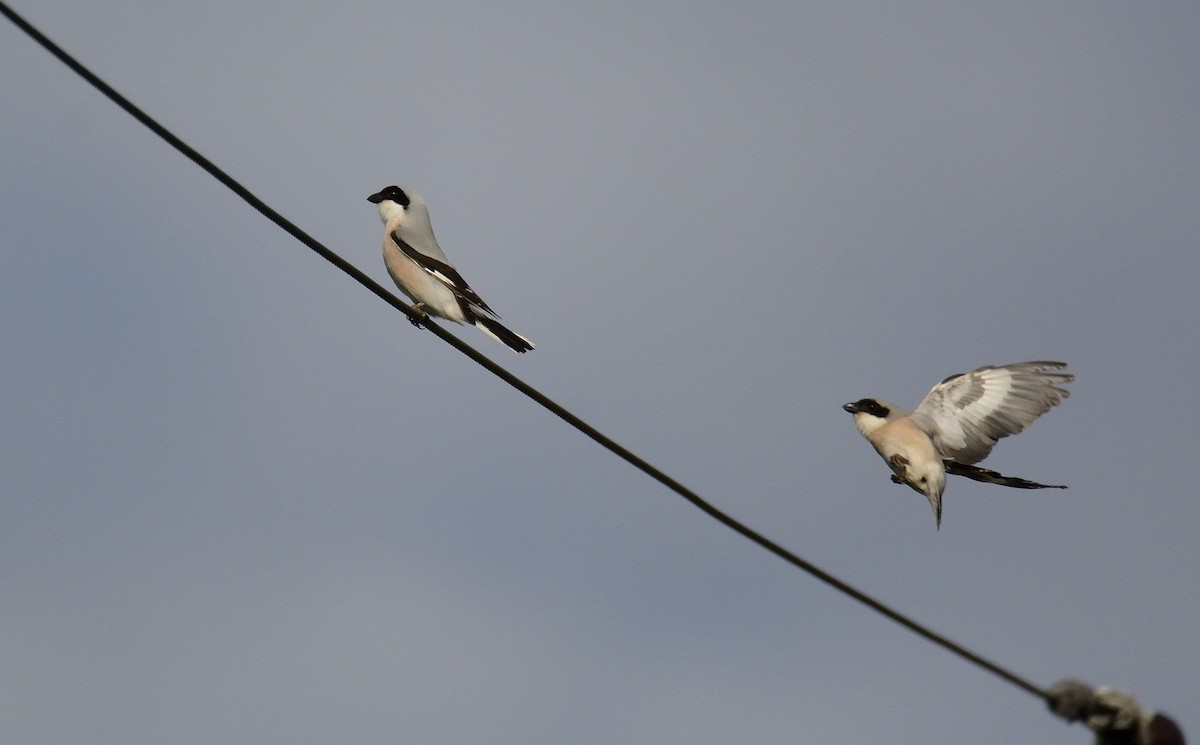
(966, 414)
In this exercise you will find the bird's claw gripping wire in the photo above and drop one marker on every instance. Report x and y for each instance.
(421, 315)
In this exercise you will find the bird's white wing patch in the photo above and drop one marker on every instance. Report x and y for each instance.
(966, 414)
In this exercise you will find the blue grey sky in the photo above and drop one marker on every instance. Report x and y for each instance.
(244, 501)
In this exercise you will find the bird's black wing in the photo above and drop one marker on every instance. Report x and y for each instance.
(443, 272)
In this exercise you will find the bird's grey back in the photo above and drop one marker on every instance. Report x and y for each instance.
(417, 231)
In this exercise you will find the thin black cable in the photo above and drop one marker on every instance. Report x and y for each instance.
(507, 377)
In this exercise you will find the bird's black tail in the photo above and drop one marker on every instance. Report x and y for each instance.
(991, 477)
(497, 331)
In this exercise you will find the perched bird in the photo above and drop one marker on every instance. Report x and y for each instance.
(422, 271)
(957, 424)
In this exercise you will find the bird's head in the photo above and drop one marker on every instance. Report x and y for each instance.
(872, 413)
(390, 194)
(396, 203)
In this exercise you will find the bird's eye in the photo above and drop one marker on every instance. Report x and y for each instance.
(872, 407)
(399, 197)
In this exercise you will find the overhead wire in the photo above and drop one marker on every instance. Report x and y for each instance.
(558, 410)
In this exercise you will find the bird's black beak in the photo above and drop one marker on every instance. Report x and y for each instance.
(375, 198)
(852, 408)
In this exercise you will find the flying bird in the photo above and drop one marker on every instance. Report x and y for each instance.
(423, 273)
(958, 423)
